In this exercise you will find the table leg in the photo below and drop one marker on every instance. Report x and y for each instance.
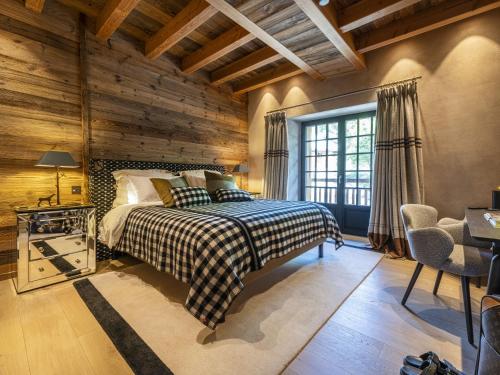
(495, 247)
(494, 275)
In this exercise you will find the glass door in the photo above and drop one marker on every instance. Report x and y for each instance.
(338, 167)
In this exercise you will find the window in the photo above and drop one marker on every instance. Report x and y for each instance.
(338, 159)
(321, 162)
(358, 167)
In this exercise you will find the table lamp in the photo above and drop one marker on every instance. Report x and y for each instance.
(57, 159)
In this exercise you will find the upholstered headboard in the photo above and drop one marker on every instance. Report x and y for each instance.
(102, 184)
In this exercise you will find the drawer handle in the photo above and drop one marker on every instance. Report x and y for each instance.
(41, 269)
(78, 261)
(41, 249)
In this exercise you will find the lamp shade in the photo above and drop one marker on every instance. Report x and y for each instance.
(240, 168)
(57, 159)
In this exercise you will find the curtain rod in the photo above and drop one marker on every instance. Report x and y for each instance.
(346, 94)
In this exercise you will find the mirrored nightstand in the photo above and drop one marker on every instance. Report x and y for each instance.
(54, 244)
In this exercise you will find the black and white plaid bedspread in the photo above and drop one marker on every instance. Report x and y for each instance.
(213, 247)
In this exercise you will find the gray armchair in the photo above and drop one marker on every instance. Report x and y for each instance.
(431, 245)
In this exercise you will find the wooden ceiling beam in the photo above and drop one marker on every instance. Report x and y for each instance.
(35, 5)
(215, 49)
(112, 16)
(237, 17)
(157, 14)
(247, 64)
(430, 19)
(92, 11)
(325, 19)
(188, 19)
(258, 59)
(279, 73)
(367, 11)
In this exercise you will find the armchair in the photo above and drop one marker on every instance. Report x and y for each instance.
(433, 246)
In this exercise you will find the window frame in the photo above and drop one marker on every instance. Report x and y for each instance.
(341, 156)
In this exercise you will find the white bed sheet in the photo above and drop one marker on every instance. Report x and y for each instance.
(113, 223)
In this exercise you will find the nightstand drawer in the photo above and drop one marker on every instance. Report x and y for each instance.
(56, 246)
(66, 264)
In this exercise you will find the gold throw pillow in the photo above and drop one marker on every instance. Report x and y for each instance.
(163, 186)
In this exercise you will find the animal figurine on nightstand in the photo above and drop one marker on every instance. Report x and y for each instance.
(45, 199)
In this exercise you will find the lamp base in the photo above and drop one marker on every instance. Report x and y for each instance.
(58, 199)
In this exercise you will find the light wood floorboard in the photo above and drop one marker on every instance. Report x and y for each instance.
(13, 358)
(51, 331)
(371, 332)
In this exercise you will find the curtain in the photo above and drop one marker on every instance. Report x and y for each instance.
(276, 156)
(398, 169)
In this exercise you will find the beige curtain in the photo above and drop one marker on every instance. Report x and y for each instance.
(276, 157)
(398, 170)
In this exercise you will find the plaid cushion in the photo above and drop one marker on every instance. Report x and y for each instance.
(232, 195)
(190, 196)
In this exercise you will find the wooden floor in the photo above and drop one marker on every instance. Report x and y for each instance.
(371, 332)
(51, 331)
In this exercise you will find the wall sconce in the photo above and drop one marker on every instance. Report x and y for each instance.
(240, 169)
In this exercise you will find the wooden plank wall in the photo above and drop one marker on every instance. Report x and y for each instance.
(139, 109)
(148, 110)
(39, 107)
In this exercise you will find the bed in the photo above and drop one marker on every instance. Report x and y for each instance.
(215, 248)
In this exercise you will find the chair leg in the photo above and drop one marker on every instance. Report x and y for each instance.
(438, 281)
(412, 282)
(320, 251)
(467, 307)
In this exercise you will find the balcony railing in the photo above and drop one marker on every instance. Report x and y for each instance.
(326, 192)
(357, 196)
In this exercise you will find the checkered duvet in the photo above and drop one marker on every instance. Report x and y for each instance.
(213, 247)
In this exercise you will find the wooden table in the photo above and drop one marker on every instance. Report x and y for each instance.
(480, 229)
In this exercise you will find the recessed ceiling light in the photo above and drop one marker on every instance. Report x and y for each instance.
(323, 2)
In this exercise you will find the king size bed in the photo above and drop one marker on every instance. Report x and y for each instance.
(214, 247)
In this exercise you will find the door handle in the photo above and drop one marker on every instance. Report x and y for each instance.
(341, 179)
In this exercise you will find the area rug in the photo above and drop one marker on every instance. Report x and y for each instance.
(142, 310)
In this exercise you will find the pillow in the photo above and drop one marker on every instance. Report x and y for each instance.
(163, 187)
(140, 172)
(232, 195)
(218, 181)
(190, 196)
(122, 186)
(196, 178)
(140, 189)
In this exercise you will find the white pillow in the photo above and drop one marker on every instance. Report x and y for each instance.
(141, 189)
(123, 186)
(139, 172)
(196, 177)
